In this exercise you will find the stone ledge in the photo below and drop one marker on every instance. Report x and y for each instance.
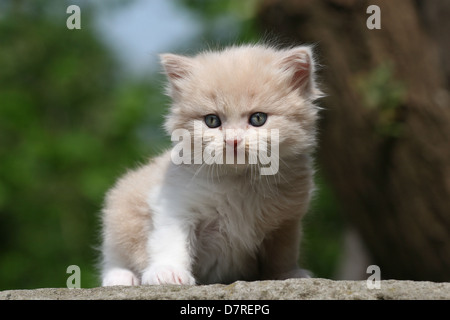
(292, 289)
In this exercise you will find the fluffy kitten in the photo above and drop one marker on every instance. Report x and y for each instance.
(202, 222)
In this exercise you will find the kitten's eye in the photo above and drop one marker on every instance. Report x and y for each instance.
(212, 121)
(258, 119)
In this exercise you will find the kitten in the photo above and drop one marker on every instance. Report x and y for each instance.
(198, 215)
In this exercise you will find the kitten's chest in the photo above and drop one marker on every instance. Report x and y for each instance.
(229, 231)
(229, 206)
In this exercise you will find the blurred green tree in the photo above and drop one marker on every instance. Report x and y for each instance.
(68, 127)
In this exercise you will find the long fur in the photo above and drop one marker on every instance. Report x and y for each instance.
(209, 223)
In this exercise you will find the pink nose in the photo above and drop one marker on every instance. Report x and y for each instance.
(233, 142)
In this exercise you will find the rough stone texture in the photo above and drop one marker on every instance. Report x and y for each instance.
(266, 290)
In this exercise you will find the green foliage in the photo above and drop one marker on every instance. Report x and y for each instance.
(384, 94)
(322, 232)
(226, 22)
(68, 128)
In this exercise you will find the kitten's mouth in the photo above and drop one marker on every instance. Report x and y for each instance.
(236, 156)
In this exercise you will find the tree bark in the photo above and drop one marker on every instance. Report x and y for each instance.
(385, 130)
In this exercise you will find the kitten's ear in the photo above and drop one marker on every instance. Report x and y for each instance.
(298, 64)
(176, 67)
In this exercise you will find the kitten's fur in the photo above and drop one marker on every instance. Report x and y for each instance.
(185, 224)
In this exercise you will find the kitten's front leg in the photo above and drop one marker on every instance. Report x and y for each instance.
(168, 247)
(280, 253)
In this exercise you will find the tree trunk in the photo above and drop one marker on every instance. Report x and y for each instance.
(385, 132)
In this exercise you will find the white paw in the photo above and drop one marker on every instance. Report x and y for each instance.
(164, 274)
(120, 277)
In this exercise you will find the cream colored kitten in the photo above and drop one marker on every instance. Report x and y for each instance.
(198, 215)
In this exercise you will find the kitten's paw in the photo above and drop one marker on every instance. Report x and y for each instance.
(163, 274)
(119, 277)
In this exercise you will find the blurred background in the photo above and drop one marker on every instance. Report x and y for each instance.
(80, 107)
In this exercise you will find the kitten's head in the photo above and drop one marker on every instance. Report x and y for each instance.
(240, 96)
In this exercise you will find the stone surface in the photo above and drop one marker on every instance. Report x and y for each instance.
(265, 290)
